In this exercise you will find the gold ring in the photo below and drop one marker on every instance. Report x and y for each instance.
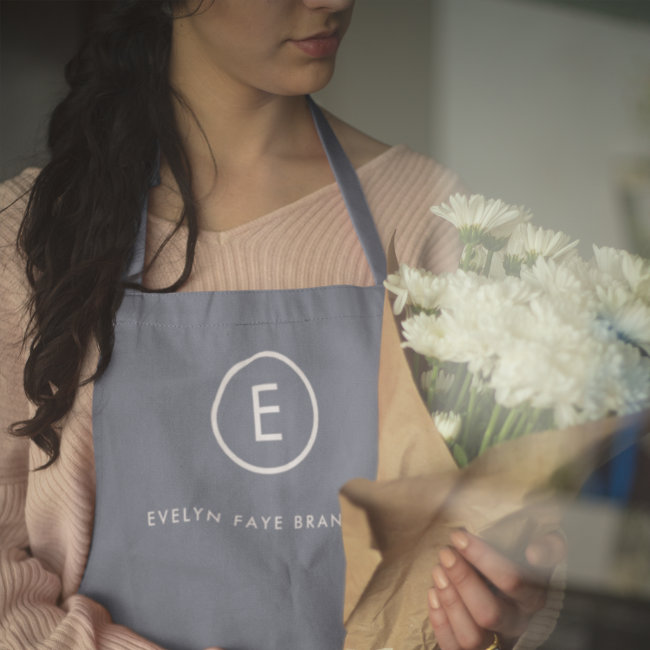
(495, 643)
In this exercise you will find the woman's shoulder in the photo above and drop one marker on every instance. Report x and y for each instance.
(401, 185)
(14, 195)
(400, 163)
(408, 181)
(18, 185)
(410, 172)
(359, 146)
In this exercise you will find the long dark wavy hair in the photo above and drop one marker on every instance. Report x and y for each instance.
(83, 211)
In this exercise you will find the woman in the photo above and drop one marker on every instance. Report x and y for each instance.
(203, 345)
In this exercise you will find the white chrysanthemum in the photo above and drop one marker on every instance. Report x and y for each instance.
(505, 231)
(441, 337)
(426, 378)
(484, 293)
(529, 242)
(559, 321)
(625, 267)
(476, 215)
(566, 285)
(394, 283)
(448, 423)
(460, 286)
(477, 318)
(553, 360)
(553, 277)
(478, 384)
(482, 309)
(443, 380)
(618, 382)
(540, 353)
(414, 286)
(628, 317)
(542, 369)
(567, 415)
(424, 288)
(542, 338)
(424, 335)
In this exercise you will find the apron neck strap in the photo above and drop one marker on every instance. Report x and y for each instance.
(136, 264)
(349, 186)
(355, 200)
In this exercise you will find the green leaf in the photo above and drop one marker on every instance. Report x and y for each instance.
(459, 455)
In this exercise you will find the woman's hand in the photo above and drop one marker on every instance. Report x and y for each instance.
(477, 591)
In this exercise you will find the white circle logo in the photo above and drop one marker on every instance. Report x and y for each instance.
(256, 413)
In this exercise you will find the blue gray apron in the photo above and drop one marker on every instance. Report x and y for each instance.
(223, 429)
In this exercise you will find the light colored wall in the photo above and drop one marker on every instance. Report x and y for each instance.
(382, 82)
(532, 103)
(538, 105)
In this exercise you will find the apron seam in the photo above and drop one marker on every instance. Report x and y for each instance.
(326, 287)
(250, 324)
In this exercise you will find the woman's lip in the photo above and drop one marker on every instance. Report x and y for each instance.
(319, 45)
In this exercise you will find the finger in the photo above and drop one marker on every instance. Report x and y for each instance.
(466, 631)
(547, 551)
(440, 623)
(488, 609)
(518, 584)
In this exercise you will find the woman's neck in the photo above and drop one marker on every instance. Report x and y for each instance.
(250, 151)
(225, 119)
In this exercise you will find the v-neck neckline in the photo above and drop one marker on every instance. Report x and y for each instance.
(254, 225)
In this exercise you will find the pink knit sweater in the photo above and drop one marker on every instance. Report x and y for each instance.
(46, 517)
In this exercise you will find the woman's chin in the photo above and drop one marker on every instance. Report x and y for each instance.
(309, 81)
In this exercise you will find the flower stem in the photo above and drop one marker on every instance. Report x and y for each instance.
(532, 421)
(523, 420)
(508, 424)
(488, 263)
(432, 385)
(416, 365)
(489, 432)
(466, 257)
(463, 391)
(468, 420)
(459, 379)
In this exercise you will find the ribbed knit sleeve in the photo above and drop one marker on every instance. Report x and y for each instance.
(45, 517)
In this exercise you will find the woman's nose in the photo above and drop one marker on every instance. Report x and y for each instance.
(331, 5)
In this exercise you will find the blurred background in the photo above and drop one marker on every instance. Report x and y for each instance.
(544, 103)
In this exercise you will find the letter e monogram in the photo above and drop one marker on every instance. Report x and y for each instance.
(259, 410)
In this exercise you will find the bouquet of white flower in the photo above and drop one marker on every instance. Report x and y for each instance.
(524, 337)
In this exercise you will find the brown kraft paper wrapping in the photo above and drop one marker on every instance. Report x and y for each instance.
(393, 527)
